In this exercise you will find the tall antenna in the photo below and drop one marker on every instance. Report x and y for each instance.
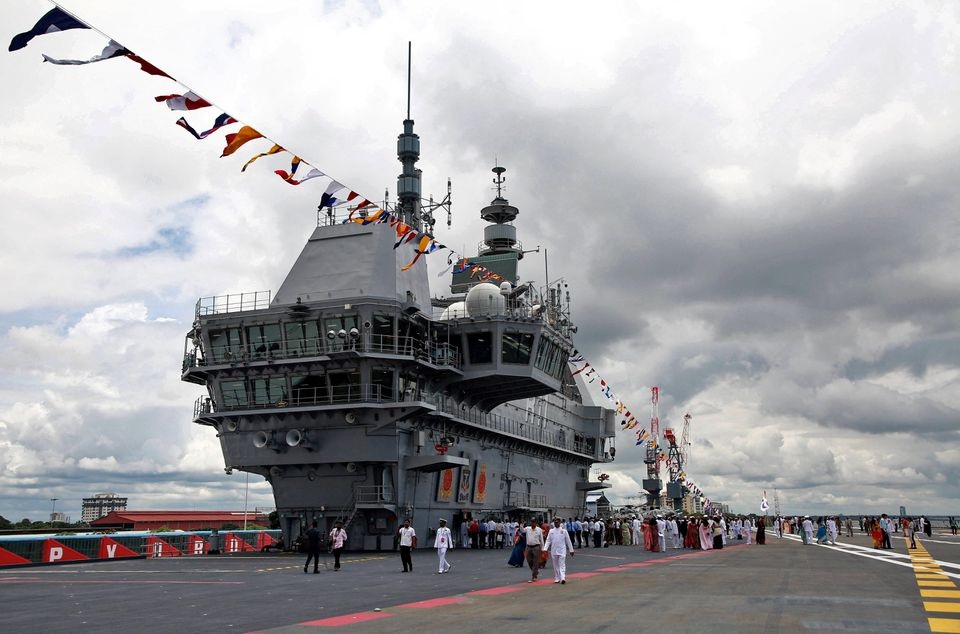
(408, 153)
(409, 66)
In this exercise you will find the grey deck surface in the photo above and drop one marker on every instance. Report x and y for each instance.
(780, 587)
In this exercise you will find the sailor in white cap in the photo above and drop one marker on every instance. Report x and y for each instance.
(441, 543)
(661, 527)
(807, 530)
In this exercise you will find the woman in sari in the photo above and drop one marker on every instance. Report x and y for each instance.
(876, 533)
(761, 531)
(706, 535)
(654, 535)
(821, 531)
(517, 557)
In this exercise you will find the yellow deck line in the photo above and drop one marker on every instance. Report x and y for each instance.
(932, 582)
(944, 625)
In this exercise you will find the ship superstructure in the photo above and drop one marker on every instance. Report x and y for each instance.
(361, 399)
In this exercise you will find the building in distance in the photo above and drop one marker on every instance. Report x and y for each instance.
(101, 504)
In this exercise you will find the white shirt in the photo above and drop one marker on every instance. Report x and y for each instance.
(443, 538)
(534, 535)
(660, 526)
(407, 535)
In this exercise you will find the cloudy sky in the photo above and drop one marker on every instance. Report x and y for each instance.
(755, 206)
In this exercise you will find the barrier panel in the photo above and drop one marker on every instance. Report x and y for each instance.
(28, 550)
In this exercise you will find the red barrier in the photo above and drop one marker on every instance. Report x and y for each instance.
(109, 549)
(234, 544)
(156, 547)
(54, 551)
(7, 558)
(198, 546)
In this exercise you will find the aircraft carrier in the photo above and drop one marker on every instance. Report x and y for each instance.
(362, 399)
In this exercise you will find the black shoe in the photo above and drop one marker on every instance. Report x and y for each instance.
(304, 570)
(316, 572)
(563, 581)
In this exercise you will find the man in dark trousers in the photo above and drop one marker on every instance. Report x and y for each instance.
(313, 548)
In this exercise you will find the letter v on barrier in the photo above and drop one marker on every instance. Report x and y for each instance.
(111, 549)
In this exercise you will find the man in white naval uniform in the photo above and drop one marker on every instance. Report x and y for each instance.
(745, 529)
(558, 544)
(723, 530)
(637, 532)
(808, 529)
(441, 543)
(675, 532)
(661, 527)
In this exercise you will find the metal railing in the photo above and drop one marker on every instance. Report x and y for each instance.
(374, 494)
(438, 354)
(303, 397)
(545, 433)
(525, 500)
(234, 303)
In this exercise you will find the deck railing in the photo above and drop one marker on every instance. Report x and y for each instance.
(546, 433)
(435, 353)
(234, 303)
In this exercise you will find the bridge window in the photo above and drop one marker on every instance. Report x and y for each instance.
(269, 390)
(226, 344)
(409, 386)
(382, 333)
(338, 323)
(480, 345)
(262, 339)
(516, 347)
(302, 338)
(309, 389)
(382, 381)
(234, 393)
(344, 386)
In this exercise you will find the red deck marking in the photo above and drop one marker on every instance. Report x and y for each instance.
(347, 619)
(502, 590)
(433, 603)
(637, 565)
(613, 569)
(582, 575)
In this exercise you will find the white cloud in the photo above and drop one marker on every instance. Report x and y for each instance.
(754, 206)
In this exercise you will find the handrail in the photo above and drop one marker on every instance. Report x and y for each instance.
(374, 494)
(301, 397)
(234, 303)
(531, 500)
(435, 353)
(559, 437)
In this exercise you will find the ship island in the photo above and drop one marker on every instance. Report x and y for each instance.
(362, 399)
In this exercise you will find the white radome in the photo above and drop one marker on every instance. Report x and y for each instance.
(457, 310)
(485, 300)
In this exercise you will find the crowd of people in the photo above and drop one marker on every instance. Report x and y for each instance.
(536, 541)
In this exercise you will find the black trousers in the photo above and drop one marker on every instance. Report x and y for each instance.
(336, 558)
(315, 556)
(405, 558)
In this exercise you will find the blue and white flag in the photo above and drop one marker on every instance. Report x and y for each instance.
(53, 21)
(764, 506)
(112, 50)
